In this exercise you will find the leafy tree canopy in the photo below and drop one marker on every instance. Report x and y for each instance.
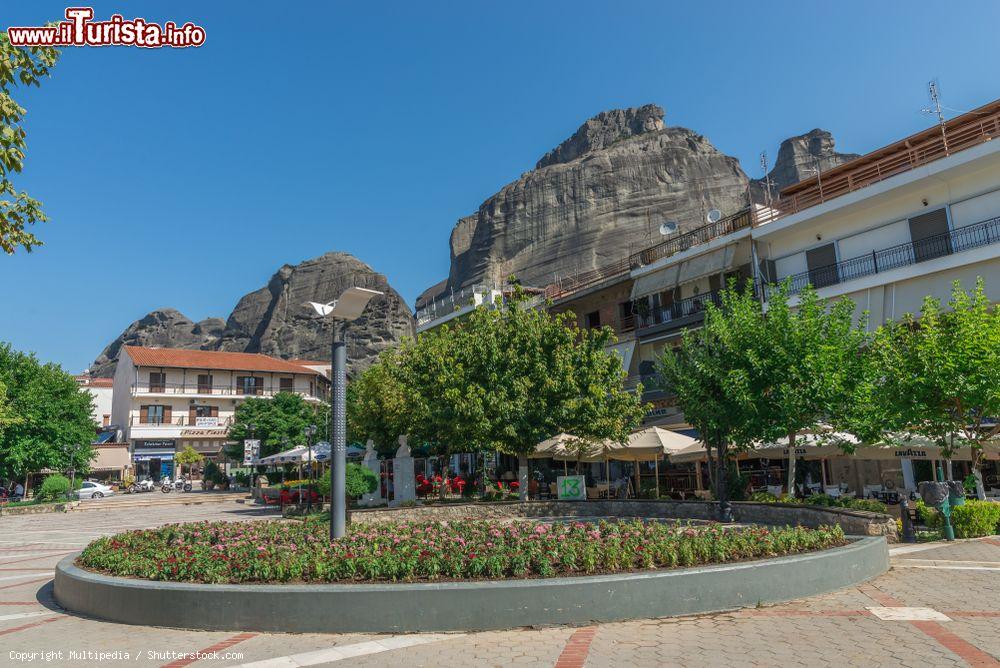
(939, 376)
(503, 379)
(45, 420)
(279, 423)
(19, 66)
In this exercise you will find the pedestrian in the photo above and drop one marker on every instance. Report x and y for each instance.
(18, 491)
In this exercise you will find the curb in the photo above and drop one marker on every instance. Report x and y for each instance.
(466, 606)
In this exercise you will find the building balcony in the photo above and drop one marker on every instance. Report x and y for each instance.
(966, 238)
(195, 390)
(683, 313)
(181, 421)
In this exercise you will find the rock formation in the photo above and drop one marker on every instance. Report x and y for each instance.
(797, 160)
(166, 328)
(602, 194)
(275, 321)
(595, 198)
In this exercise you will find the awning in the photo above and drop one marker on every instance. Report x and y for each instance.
(657, 281)
(624, 350)
(706, 264)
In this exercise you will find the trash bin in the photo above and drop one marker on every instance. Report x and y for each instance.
(956, 493)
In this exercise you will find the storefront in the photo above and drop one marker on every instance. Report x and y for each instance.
(154, 458)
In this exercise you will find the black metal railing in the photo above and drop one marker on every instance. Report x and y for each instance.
(680, 309)
(902, 255)
(234, 390)
(175, 421)
(701, 235)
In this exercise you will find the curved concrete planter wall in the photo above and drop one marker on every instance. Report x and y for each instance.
(464, 606)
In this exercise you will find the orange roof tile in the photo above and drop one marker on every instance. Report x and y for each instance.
(211, 359)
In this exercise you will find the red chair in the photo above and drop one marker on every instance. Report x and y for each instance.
(285, 497)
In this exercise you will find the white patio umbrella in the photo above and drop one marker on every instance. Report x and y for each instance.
(645, 445)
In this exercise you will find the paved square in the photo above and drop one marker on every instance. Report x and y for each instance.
(904, 614)
(920, 617)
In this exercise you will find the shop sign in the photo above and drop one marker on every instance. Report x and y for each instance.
(571, 487)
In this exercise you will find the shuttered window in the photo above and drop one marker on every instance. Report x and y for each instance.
(285, 384)
(822, 263)
(157, 381)
(930, 235)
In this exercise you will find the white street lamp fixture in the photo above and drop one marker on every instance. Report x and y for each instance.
(349, 306)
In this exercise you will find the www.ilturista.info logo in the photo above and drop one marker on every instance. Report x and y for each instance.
(80, 30)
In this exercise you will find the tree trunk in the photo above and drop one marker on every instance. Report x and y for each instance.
(721, 486)
(522, 477)
(791, 464)
(977, 462)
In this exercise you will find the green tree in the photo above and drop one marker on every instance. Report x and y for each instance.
(24, 66)
(503, 379)
(188, 456)
(939, 376)
(748, 377)
(47, 411)
(804, 364)
(279, 423)
(378, 404)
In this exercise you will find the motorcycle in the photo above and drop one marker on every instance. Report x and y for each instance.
(144, 485)
(179, 484)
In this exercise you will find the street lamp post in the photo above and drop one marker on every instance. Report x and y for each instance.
(310, 430)
(246, 444)
(69, 451)
(349, 306)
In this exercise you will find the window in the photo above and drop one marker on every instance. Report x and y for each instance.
(594, 320)
(154, 414)
(286, 384)
(249, 385)
(822, 263)
(930, 235)
(205, 412)
(157, 381)
(204, 383)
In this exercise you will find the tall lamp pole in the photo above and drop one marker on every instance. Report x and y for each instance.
(310, 430)
(349, 306)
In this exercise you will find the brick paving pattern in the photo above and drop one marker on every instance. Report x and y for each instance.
(838, 628)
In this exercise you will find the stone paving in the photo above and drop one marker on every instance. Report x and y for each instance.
(960, 580)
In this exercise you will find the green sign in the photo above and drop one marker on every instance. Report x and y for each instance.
(571, 487)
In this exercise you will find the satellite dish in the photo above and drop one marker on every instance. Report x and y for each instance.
(714, 216)
(668, 227)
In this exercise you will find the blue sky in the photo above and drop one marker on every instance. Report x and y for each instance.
(185, 178)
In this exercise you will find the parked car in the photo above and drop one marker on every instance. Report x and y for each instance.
(93, 490)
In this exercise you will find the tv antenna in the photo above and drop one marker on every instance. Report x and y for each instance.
(767, 178)
(714, 216)
(935, 108)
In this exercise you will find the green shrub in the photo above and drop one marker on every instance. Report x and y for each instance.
(220, 552)
(763, 497)
(928, 516)
(53, 487)
(976, 518)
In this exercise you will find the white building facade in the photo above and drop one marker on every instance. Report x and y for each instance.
(166, 399)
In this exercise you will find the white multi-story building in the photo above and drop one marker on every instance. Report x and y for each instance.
(166, 398)
(101, 389)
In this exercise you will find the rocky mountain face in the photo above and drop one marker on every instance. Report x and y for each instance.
(595, 198)
(274, 321)
(603, 193)
(798, 158)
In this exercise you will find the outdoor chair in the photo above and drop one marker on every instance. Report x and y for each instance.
(553, 490)
(593, 494)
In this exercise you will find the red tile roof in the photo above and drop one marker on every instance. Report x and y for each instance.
(310, 362)
(211, 359)
(95, 382)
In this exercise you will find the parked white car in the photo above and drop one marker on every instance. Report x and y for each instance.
(94, 490)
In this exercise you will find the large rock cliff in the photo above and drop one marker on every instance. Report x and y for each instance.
(595, 198)
(274, 320)
(798, 158)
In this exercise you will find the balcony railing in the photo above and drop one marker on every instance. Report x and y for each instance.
(218, 390)
(680, 309)
(178, 421)
(971, 129)
(451, 303)
(902, 255)
(701, 235)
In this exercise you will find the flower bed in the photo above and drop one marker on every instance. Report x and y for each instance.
(221, 552)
